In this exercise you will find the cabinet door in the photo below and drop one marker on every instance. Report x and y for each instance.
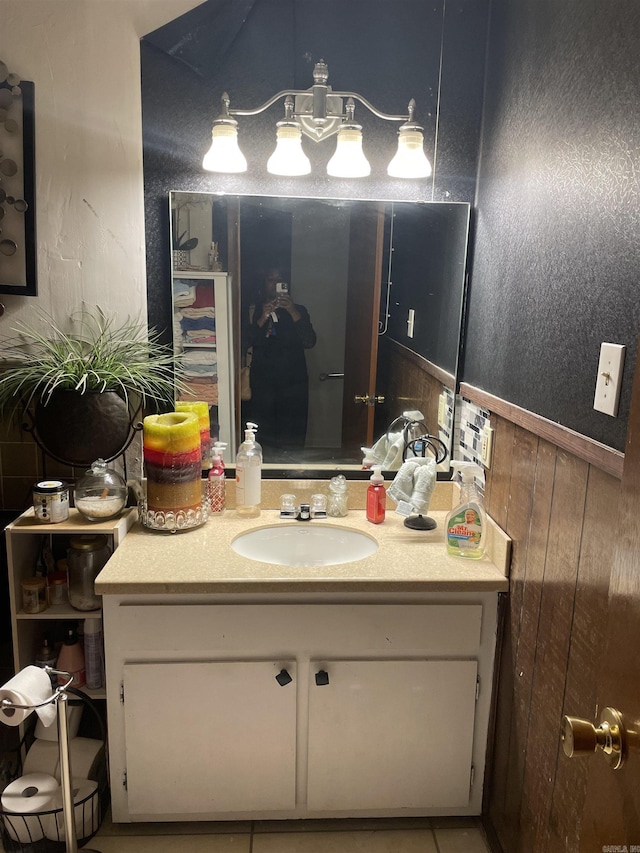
(209, 737)
(391, 734)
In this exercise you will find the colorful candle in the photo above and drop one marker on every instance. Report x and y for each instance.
(201, 409)
(173, 462)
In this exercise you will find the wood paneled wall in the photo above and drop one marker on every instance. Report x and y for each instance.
(560, 513)
(407, 385)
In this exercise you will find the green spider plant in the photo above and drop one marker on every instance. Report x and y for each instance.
(101, 356)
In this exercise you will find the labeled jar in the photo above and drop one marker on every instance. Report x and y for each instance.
(86, 557)
(34, 595)
(51, 501)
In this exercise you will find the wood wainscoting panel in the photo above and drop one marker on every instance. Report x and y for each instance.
(560, 513)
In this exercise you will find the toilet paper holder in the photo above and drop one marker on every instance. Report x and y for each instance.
(61, 699)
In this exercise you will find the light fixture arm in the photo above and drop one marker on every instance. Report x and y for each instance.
(319, 110)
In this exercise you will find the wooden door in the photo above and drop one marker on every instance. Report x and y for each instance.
(208, 738)
(611, 817)
(391, 734)
(363, 307)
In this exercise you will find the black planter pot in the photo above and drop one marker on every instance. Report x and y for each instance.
(77, 428)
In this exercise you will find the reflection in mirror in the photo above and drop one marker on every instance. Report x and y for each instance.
(344, 313)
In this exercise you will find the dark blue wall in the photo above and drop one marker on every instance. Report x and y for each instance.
(556, 265)
(387, 50)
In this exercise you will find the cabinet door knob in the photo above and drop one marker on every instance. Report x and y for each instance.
(283, 678)
(322, 677)
(580, 737)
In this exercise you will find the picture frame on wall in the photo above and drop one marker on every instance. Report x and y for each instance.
(18, 273)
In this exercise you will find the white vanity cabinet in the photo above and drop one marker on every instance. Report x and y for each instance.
(340, 704)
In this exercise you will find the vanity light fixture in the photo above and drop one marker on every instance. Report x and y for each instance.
(318, 113)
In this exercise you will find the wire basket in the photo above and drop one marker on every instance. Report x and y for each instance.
(44, 831)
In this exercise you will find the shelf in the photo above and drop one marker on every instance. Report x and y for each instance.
(202, 274)
(75, 524)
(60, 611)
(188, 345)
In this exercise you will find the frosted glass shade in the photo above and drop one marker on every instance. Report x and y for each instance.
(225, 154)
(410, 160)
(349, 160)
(288, 159)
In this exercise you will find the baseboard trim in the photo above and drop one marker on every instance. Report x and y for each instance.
(606, 458)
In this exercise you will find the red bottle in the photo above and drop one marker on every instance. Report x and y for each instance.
(376, 497)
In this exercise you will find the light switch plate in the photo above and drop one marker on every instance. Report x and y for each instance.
(609, 379)
(410, 321)
(486, 444)
(442, 407)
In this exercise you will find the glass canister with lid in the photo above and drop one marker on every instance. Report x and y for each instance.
(101, 493)
(86, 557)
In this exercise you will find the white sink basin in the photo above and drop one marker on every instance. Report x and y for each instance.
(304, 544)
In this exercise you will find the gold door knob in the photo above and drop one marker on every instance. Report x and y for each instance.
(580, 737)
(367, 399)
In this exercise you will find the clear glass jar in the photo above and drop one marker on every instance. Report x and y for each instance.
(337, 504)
(87, 555)
(101, 493)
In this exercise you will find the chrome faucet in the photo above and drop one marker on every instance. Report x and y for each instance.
(304, 511)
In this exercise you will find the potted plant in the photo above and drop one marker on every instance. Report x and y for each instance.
(82, 390)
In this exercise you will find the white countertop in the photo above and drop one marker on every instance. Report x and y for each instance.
(202, 561)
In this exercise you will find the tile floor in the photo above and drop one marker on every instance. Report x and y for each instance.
(420, 835)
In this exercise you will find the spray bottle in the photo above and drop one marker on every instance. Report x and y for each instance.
(216, 480)
(248, 476)
(466, 524)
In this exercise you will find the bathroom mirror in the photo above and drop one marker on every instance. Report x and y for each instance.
(383, 284)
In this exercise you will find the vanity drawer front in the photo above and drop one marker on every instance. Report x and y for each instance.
(323, 629)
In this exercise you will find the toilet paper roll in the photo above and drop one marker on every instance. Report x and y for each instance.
(86, 812)
(43, 757)
(30, 686)
(24, 798)
(84, 754)
(74, 715)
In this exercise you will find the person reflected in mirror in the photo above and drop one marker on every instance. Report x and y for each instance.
(279, 332)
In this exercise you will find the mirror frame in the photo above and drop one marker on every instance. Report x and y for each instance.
(350, 470)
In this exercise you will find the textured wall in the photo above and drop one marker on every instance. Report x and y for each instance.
(556, 263)
(387, 50)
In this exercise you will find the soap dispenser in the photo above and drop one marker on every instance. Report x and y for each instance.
(376, 497)
(248, 476)
(216, 479)
(467, 523)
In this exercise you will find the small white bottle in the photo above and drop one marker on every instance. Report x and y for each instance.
(93, 653)
(248, 476)
(216, 489)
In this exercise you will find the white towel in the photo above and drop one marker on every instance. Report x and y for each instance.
(414, 483)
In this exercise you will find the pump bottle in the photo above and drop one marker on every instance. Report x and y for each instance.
(216, 482)
(248, 474)
(466, 524)
(71, 659)
(376, 497)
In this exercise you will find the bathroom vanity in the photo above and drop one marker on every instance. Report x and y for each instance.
(238, 689)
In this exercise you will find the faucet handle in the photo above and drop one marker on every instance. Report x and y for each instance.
(288, 506)
(318, 506)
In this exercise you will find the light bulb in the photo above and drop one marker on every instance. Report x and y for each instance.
(348, 160)
(410, 160)
(288, 159)
(225, 154)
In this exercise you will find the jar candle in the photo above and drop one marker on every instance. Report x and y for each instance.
(201, 409)
(34, 595)
(173, 462)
